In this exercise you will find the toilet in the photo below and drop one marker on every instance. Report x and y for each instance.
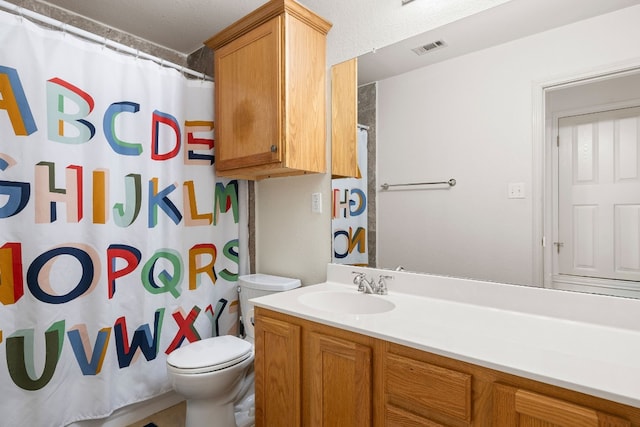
(215, 375)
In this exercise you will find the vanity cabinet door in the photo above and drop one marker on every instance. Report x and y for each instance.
(340, 382)
(421, 393)
(277, 372)
(516, 407)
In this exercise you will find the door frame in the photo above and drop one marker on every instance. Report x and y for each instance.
(542, 168)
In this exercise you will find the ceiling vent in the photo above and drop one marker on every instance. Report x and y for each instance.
(429, 47)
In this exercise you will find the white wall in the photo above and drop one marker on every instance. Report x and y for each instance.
(291, 240)
(470, 118)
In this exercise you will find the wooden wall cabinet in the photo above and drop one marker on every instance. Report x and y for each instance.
(309, 374)
(270, 93)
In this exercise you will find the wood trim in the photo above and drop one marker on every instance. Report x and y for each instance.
(256, 173)
(242, 162)
(309, 17)
(264, 13)
(553, 410)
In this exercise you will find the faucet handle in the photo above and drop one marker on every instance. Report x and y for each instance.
(382, 284)
(358, 278)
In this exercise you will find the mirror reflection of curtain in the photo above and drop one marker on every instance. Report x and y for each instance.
(349, 212)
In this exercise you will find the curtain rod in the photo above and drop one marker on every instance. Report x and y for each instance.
(61, 26)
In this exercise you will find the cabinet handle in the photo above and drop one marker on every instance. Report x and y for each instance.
(274, 148)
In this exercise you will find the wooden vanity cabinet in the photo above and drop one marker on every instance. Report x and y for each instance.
(309, 374)
(270, 93)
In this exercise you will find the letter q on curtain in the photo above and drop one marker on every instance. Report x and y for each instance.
(117, 242)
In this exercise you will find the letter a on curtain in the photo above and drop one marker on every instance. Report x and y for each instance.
(117, 242)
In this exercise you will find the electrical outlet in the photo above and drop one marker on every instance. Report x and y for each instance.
(516, 190)
(316, 202)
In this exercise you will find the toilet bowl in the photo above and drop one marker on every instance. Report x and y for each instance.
(215, 375)
(209, 373)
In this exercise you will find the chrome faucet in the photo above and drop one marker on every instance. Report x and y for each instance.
(368, 286)
(364, 285)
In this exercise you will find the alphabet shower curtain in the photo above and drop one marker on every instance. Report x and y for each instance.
(117, 243)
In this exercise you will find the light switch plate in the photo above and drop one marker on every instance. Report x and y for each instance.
(316, 202)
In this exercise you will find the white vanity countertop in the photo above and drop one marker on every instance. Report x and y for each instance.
(583, 342)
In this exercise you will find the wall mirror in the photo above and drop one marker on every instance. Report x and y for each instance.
(485, 103)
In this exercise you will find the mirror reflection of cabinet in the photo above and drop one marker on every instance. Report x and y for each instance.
(344, 120)
(270, 95)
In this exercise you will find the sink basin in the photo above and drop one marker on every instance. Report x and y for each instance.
(345, 302)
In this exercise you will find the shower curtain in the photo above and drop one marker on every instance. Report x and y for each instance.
(117, 242)
(349, 213)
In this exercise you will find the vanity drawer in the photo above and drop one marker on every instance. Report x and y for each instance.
(425, 389)
(396, 417)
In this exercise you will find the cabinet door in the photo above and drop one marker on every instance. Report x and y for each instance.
(514, 407)
(277, 373)
(340, 382)
(248, 98)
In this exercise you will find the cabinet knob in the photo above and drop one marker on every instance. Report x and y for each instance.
(274, 148)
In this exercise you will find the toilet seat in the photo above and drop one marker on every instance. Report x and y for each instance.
(210, 354)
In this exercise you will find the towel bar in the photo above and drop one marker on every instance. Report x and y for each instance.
(451, 183)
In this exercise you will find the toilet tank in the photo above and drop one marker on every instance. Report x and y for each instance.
(257, 285)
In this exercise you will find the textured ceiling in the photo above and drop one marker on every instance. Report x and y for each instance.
(182, 25)
(359, 26)
(508, 21)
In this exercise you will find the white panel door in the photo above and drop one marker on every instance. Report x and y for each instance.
(599, 195)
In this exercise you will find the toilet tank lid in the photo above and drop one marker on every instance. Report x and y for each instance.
(268, 282)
